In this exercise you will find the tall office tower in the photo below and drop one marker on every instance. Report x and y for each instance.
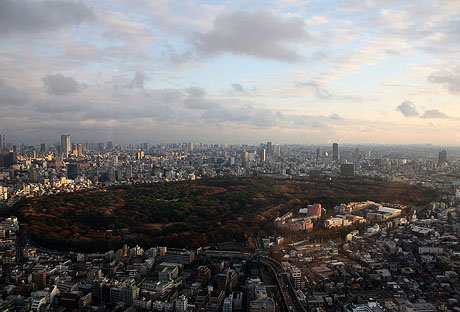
(4, 141)
(181, 304)
(269, 148)
(80, 149)
(442, 157)
(72, 171)
(43, 148)
(335, 152)
(244, 158)
(74, 149)
(65, 144)
(263, 154)
(318, 154)
(1, 141)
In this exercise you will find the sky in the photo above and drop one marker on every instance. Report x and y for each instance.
(289, 71)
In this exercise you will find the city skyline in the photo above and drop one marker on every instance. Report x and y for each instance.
(78, 142)
(352, 72)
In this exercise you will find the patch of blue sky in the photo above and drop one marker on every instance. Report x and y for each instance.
(11, 47)
(372, 76)
(46, 52)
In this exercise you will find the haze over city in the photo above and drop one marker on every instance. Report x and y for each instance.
(230, 71)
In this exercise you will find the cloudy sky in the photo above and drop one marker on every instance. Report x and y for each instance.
(290, 71)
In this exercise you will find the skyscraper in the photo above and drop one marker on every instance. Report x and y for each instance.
(318, 154)
(335, 152)
(72, 171)
(263, 154)
(442, 157)
(269, 148)
(65, 144)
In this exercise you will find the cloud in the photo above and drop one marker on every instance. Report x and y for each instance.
(434, 113)
(11, 96)
(24, 16)
(260, 34)
(196, 92)
(60, 85)
(136, 36)
(62, 105)
(335, 117)
(138, 81)
(243, 115)
(451, 79)
(408, 109)
(236, 87)
(196, 100)
(318, 90)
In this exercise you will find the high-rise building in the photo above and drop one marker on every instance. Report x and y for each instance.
(228, 304)
(181, 304)
(318, 154)
(39, 280)
(129, 293)
(244, 158)
(442, 157)
(263, 154)
(10, 159)
(72, 171)
(269, 148)
(43, 148)
(65, 144)
(33, 175)
(335, 152)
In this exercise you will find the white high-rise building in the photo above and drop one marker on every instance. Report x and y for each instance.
(181, 304)
(65, 144)
(228, 304)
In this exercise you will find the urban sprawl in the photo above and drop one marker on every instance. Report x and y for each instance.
(390, 258)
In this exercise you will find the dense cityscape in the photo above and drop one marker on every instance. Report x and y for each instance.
(229, 156)
(378, 257)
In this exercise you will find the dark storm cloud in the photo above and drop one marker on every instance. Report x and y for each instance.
(60, 85)
(11, 96)
(26, 16)
(261, 34)
(408, 109)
